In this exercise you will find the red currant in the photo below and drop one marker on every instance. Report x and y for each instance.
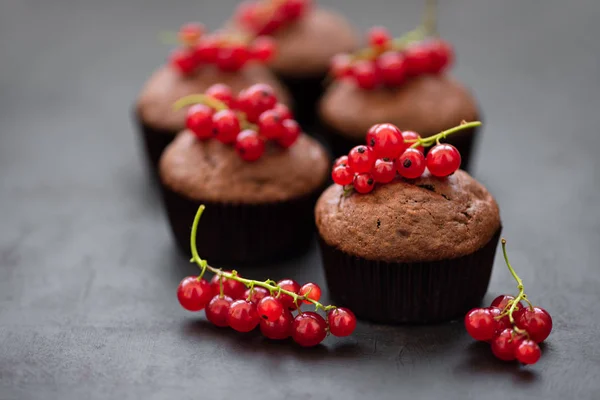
(386, 141)
(443, 160)
(504, 345)
(286, 300)
(501, 323)
(310, 291)
(263, 48)
(242, 316)
(309, 329)
(223, 93)
(342, 175)
(184, 60)
(255, 294)
(502, 301)
(232, 58)
(283, 110)
(342, 322)
(218, 309)
(291, 133)
(207, 50)
(410, 138)
(341, 66)
(276, 21)
(480, 324)
(411, 164)
(280, 329)
(269, 308)
(226, 126)
(537, 322)
(379, 37)
(249, 145)
(342, 161)
(443, 55)
(419, 60)
(255, 100)
(270, 125)
(293, 9)
(193, 293)
(361, 159)
(199, 120)
(528, 352)
(363, 183)
(231, 288)
(365, 74)
(384, 171)
(392, 67)
(190, 33)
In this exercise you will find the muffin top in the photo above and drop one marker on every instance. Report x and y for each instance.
(212, 171)
(427, 104)
(426, 219)
(166, 86)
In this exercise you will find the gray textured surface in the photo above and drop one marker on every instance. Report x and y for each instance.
(88, 270)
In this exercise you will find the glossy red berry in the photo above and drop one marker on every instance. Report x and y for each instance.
(217, 310)
(184, 60)
(286, 300)
(242, 316)
(501, 323)
(255, 100)
(199, 121)
(255, 294)
(291, 133)
(392, 67)
(280, 329)
(410, 138)
(361, 159)
(283, 110)
(379, 37)
(537, 322)
(411, 164)
(276, 21)
(263, 48)
(269, 308)
(207, 50)
(226, 126)
(342, 175)
(194, 294)
(419, 59)
(232, 58)
(270, 125)
(341, 66)
(223, 93)
(365, 74)
(311, 291)
(528, 352)
(505, 344)
(309, 329)
(480, 324)
(502, 301)
(363, 183)
(190, 33)
(386, 141)
(343, 161)
(231, 288)
(384, 171)
(293, 9)
(249, 145)
(342, 322)
(443, 160)
(443, 55)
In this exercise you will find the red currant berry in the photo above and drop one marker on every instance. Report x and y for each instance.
(293, 9)
(443, 160)
(218, 309)
(226, 126)
(207, 50)
(269, 308)
(342, 322)
(283, 110)
(223, 93)
(480, 324)
(501, 323)
(443, 55)
(537, 322)
(286, 300)
(263, 48)
(505, 344)
(246, 14)
(342, 175)
(363, 183)
(341, 66)
(410, 138)
(365, 74)
(255, 100)
(291, 133)
(528, 352)
(392, 67)
(386, 141)
(271, 25)
(249, 145)
(280, 329)
(384, 171)
(309, 329)
(199, 120)
(190, 33)
(419, 60)
(270, 125)
(184, 60)
(193, 294)
(310, 291)
(502, 301)
(411, 164)
(232, 58)
(342, 161)
(231, 288)
(361, 159)
(379, 37)
(255, 294)
(242, 316)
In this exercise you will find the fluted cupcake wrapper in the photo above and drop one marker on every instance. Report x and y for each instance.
(423, 292)
(234, 234)
(154, 141)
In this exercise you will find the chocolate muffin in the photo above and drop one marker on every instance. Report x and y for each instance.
(255, 212)
(416, 251)
(427, 104)
(159, 122)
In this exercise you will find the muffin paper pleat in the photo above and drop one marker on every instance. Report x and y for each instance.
(154, 141)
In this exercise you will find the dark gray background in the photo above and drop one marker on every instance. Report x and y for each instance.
(88, 270)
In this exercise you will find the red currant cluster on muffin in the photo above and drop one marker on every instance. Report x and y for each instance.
(247, 121)
(390, 152)
(229, 52)
(391, 62)
(264, 17)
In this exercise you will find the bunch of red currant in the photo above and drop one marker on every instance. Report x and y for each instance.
(226, 51)
(263, 17)
(390, 152)
(244, 304)
(513, 329)
(247, 121)
(390, 62)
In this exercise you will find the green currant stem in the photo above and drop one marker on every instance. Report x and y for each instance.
(430, 18)
(269, 284)
(429, 141)
(520, 287)
(212, 103)
(398, 44)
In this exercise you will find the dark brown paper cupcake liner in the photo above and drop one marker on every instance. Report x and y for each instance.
(234, 234)
(154, 141)
(395, 293)
(306, 92)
